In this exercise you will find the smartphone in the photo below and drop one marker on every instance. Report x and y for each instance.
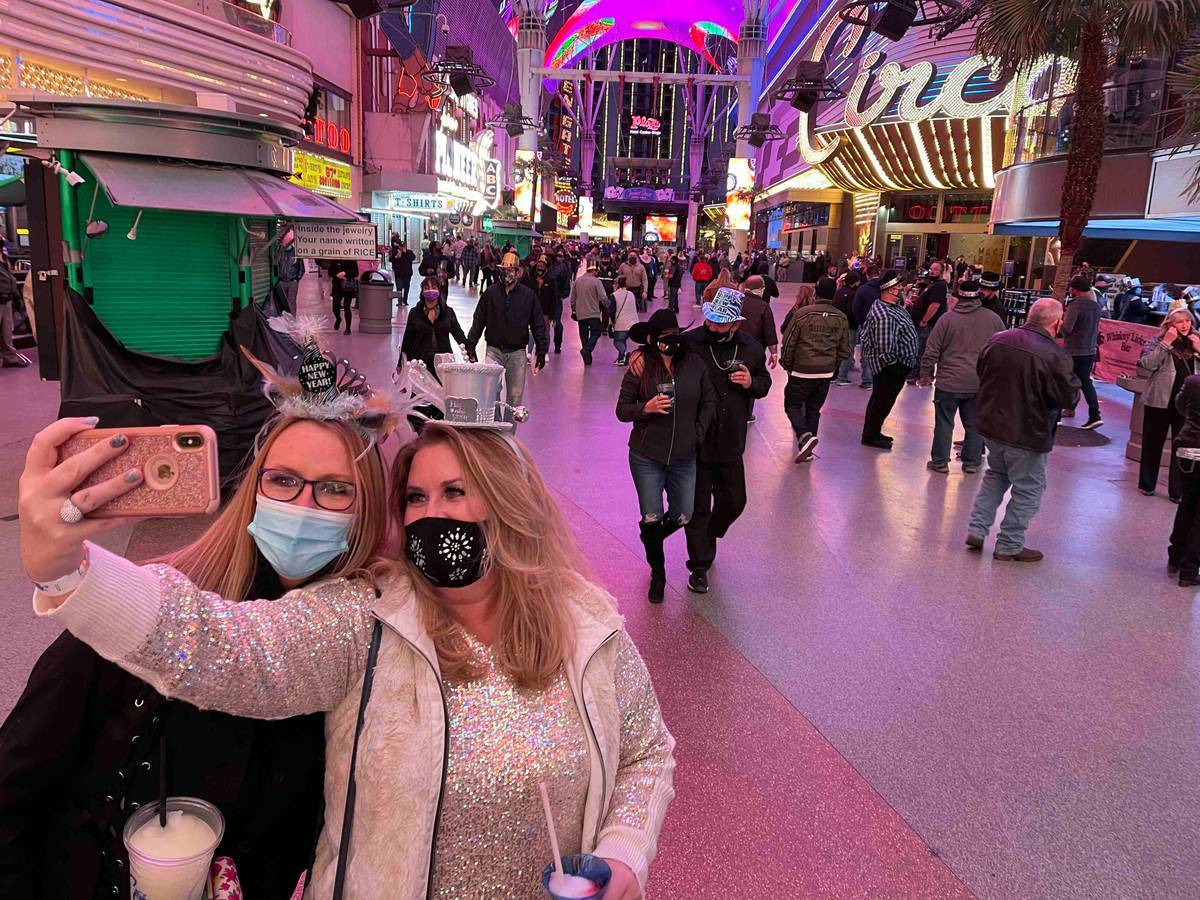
(180, 475)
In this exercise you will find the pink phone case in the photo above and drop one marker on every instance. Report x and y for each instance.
(178, 479)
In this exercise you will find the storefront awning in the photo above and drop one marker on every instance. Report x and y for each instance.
(152, 184)
(1177, 228)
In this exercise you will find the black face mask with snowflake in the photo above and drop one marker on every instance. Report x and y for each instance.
(450, 553)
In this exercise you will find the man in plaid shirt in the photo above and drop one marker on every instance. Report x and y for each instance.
(470, 264)
(889, 351)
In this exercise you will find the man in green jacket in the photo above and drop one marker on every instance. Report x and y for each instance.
(816, 339)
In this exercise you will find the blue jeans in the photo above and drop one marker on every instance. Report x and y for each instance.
(589, 334)
(848, 363)
(700, 286)
(651, 479)
(621, 342)
(945, 405)
(1024, 471)
(515, 363)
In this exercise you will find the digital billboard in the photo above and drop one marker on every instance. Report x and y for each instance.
(664, 229)
(739, 192)
(523, 186)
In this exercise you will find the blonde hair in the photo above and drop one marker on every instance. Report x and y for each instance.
(1182, 313)
(530, 551)
(224, 558)
(805, 296)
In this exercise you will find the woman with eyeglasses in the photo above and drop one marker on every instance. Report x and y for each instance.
(486, 664)
(672, 404)
(80, 751)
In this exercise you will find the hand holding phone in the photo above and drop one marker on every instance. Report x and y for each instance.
(178, 469)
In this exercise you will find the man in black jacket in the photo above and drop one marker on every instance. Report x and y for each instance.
(1025, 381)
(560, 277)
(737, 366)
(506, 314)
(930, 305)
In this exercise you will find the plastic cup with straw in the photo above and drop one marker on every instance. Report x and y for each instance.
(571, 877)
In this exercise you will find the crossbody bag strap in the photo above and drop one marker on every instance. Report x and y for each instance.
(339, 881)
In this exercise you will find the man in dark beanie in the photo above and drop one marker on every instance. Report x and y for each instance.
(1081, 335)
(816, 338)
(889, 352)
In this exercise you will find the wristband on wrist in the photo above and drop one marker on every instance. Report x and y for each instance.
(67, 583)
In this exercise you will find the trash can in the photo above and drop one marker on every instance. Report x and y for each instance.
(375, 296)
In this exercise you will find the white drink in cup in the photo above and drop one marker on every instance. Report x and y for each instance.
(172, 863)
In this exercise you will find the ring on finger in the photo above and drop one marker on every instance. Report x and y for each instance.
(70, 513)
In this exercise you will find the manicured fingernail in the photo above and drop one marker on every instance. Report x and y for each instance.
(133, 476)
(119, 441)
(91, 420)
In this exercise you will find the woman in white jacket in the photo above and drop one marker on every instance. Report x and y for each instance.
(625, 316)
(485, 664)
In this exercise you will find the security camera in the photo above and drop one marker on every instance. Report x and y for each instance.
(443, 24)
(74, 178)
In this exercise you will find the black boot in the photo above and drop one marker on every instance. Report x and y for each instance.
(652, 539)
(670, 526)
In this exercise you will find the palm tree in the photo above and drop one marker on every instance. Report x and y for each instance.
(1020, 33)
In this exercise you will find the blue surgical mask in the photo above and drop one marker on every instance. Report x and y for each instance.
(298, 541)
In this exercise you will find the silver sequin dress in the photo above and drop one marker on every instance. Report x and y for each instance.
(492, 842)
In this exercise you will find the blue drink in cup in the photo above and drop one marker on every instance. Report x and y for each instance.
(584, 866)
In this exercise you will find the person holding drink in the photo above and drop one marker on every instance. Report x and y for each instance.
(80, 752)
(484, 663)
(672, 404)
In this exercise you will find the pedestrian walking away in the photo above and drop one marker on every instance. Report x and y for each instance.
(1081, 335)
(950, 363)
(1025, 380)
(816, 338)
(889, 351)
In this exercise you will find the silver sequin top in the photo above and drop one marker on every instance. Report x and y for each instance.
(492, 842)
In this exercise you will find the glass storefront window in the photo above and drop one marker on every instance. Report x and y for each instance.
(914, 209)
(1133, 98)
(967, 208)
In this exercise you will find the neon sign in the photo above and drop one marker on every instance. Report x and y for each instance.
(328, 134)
(645, 125)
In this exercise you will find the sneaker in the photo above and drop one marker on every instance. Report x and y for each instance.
(753, 418)
(888, 438)
(1148, 493)
(974, 542)
(840, 382)
(969, 469)
(698, 582)
(19, 363)
(808, 443)
(942, 468)
(1189, 579)
(1093, 422)
(622, 361)
(1025, 554)
(865, 387)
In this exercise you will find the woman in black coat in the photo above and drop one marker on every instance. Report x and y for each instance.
(672, 404)
(429, 328)
(80, 751)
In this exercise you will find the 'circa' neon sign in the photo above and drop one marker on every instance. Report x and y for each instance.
(880, 85)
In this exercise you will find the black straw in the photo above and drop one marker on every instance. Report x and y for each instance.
(162, 781)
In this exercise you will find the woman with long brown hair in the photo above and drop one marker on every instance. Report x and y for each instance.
(80, 751)
(487, 664)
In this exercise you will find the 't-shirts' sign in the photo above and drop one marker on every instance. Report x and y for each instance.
(335, 240)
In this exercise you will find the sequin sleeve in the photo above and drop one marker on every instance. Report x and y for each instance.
(267, 659)
(299, 654)
(644, 784)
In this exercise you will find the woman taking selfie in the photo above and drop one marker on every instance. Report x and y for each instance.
(429, 328)
(80, 752)
(671, 404)
(491, 665)
(1165, 363)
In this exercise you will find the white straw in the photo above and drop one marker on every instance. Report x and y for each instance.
(550, 827)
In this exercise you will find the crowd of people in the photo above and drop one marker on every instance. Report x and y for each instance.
(943, 326)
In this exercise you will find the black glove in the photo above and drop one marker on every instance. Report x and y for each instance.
(541, 361)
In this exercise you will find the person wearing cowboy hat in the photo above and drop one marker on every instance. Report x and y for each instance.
(507, 313)
(889, 352)
(737, 366)
(672, 404)
(952, 357)
(989, 294)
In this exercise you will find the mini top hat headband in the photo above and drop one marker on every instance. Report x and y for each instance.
(326, 389)
(467, 396)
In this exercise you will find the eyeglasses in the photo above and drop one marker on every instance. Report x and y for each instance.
(336, 496)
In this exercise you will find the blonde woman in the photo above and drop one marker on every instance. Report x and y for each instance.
(487, 664)
(1165, 363)
(80, 751)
